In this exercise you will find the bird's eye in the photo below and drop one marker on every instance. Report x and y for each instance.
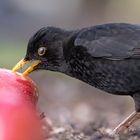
(42, 51)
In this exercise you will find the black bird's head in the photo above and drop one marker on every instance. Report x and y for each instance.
(45, 48)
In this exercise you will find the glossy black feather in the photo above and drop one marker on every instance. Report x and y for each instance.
(111, 41)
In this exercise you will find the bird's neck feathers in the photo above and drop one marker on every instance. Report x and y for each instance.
(65, 43)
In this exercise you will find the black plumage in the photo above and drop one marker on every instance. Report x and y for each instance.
(104, 56)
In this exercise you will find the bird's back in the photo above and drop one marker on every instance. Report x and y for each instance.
(112, 41)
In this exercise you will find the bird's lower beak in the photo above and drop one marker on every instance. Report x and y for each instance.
(22, 62)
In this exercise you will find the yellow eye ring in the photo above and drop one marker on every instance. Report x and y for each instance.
(42, 51)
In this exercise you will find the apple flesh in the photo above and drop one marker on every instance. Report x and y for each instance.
(19, 119)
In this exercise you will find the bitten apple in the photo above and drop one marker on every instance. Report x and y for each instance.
(19, 119)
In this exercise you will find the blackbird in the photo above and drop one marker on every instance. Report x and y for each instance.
(105, 56)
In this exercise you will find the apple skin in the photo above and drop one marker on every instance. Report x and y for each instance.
(19, 122)
(20, 87)
(19, 119)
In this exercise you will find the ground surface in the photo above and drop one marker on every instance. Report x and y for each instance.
(80, 112)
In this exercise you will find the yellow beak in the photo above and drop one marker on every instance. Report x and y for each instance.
(22, 62)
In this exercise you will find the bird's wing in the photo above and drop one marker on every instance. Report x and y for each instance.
(111, 41)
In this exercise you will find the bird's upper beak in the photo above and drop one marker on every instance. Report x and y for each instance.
(22, 62)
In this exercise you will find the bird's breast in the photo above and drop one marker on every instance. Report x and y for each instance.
(116, 77)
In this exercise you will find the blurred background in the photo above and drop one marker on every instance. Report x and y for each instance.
(64, 99)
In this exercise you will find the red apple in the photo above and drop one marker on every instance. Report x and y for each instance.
(18, 85)
(19, 119)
